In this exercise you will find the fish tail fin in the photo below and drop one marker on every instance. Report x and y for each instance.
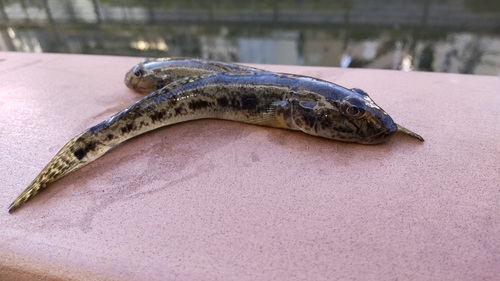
(72, 156)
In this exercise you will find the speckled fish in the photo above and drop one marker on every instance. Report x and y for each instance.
(285, 101)
(153, 74)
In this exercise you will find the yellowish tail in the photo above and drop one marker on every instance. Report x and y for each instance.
(69, 158)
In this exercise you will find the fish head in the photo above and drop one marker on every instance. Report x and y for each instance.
(144, 79)
(153, 74)
(353, 117)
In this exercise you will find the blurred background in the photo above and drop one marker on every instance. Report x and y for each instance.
(458, 36)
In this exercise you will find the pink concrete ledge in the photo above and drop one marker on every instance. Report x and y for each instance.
(219, 200)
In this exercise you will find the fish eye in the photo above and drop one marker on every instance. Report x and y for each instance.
(354, 108)
(138, 72)
(354, 111)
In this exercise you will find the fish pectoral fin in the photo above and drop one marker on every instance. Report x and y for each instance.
(271, 116)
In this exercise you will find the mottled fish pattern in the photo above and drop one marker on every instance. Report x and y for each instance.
(314, 106)
(153, 74)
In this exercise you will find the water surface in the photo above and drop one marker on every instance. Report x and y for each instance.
(458, 36)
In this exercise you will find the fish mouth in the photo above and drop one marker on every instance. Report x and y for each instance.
(387, 129)
(128, 81)
(379, 137)
(131, 82)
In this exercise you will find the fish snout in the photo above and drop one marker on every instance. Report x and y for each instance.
(382, 128)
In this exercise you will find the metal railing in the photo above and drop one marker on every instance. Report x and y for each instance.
(284, 12)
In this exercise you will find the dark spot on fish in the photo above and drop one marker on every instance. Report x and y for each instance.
(235, 103)
(90, 146)
(249, 102)
(179, 111)
(199, 104)
(110, 136)
(80, 153)
(309, 118)
(326, 122)
(127, 128)
(158, 115)
(223, 102)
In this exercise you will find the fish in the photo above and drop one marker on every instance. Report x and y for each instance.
(313, 106)
(152, 74)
